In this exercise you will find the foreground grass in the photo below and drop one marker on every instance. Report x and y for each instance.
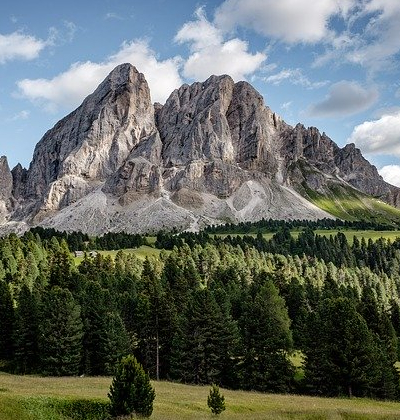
(30, 398)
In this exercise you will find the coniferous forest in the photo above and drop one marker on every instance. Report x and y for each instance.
(226, 310)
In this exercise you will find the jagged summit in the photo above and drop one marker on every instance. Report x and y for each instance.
(213, 152)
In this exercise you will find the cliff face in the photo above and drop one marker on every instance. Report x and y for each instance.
(213, 152)
(6, 185)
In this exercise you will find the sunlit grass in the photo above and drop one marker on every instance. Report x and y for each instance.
(27, 398)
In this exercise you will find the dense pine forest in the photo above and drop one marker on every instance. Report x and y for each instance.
(230, 310)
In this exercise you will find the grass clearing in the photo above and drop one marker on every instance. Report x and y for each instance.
(142, 252)
(349, 233)
(32, 398)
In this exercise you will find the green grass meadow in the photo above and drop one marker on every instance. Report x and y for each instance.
(35, 398)
(349, 233)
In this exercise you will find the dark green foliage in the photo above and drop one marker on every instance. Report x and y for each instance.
(214, 309)
(27, 332)
(60, 333)
(6, 323)
(117, 343)
(204, 346)
(267, 341)
(78, 409)
(344, 358)
(131, 391)
(215, 400)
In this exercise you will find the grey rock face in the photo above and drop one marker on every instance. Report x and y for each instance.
(91, 143)
(6, 184)
(214, 152)
(19, 175)
(6, 180)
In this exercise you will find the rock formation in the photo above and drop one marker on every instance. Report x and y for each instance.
(213, 152)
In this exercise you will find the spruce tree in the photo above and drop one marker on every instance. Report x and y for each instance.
(341, 359)
(205, 342)
(7, 320)
(215, 400)
(61, 332)
(27, 332)
(117, 343)
(131, 392)
(267, 340)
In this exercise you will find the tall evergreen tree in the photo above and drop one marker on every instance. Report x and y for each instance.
(61, 332)
(27, 332)
(7, 320)
(267, 340)
(204, 346)
(341, 359)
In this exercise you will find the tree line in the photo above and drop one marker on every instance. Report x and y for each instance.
(205, 312)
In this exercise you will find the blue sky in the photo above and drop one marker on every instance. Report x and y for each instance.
(333, 64)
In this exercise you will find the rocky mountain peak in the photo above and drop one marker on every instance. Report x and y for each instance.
(6, 181)
(91, 143)
(214, 151)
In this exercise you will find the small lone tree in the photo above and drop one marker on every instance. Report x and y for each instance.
(216, 401)
(131, 392)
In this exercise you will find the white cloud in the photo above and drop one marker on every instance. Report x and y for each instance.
(200, 33)
(22, 115)
(69, 88)
(292, 21)
(294, 76)
(371, 38)
(286, 105)
(391, 174)
(18, 46)
(381, 136)
(344, 98)
(211, 54)
(113, 15)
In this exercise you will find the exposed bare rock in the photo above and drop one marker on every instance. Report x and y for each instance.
(254, 130)
(213, 152)
(6, 180)
(6, 184)
(193, 125)
(94, 140)
(19, 175)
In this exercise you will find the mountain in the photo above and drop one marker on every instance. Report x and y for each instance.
(212, 153)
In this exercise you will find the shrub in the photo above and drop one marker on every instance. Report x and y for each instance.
(216, 401)
(131, 391)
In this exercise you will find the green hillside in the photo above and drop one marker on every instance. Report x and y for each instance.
(347, 203)
(31, 397)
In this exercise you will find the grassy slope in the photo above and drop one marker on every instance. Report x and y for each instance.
(347, 203)
(25, 397)
(349, 233)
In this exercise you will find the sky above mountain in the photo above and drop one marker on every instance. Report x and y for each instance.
(333, 64)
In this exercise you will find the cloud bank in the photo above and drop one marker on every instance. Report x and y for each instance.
(69, 88)
(380, 137)
(344, 98)
(211, 54)
(391, 174)
(19, 46)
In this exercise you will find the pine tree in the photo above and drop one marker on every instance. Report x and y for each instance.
(117, 343)
(94, 313)
(61, 332)
(131, 392)
(7, 320)
(267, 340)
(205, 342)
(215, 400)
(27, 332)
(341, 359)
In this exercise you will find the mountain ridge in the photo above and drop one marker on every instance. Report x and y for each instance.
(213, 152)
